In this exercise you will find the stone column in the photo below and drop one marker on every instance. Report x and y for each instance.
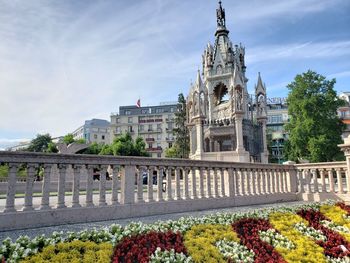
(199, 134)
(239, 132)
(345, 147)
(265, 153)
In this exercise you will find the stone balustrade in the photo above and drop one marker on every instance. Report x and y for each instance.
(140, 186)
(321, 181)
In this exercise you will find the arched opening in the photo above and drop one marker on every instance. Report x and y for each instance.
(221, 94)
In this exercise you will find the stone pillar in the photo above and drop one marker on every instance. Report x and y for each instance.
(239, 133)
(345, 147)
(265, 154)
(199, 134)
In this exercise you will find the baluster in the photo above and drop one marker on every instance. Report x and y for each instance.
(308, 180)
(45, 197)
(316, 188)
(160, 184)
(273, 181)
(140, 172)
(150, 184)
(115, 185)
(263, 181)
(231, 182)
(62, 169)
(236, 176)
(285, 179)
(331, 181)
(76, 185)
(208, 181)
(323, 181)
(281, 180)
(102, 186)
(242, 172)
(277, 181)
(28, 201)
(193, 183)
(222, 182)
(168, 184)
(177, 183)
(249, 174)
(215, 177)
(89, 186)
(268, 181)
(185, 183)
(11, 188)
(288, 184)
(258, 181)
(201, 182)
(339, 181)
(301, 174)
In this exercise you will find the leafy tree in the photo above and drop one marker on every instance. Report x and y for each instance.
(52, 148)
(124, 145)
(40, 143)
(172, 152)
(314, 127)
(68, 139)
(93, 148)
(182, 138)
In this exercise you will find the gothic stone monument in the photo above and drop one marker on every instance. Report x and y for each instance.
(225, 122)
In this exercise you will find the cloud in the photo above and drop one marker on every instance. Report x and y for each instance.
(62, 62)
(296, 51)
(6, 143)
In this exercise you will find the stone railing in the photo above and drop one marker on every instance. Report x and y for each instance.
(138, 187)
(320, 181)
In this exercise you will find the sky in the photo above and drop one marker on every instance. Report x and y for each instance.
(64, 62)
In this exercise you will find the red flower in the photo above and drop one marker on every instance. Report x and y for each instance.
(248, 231)
(332, 246)
(139, 248)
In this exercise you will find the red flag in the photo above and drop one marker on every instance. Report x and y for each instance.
(138, 103)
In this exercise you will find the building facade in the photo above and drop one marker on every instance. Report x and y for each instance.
(344, 113)
(225, 123)
(95, 130)
(277, 117)
(153, 123)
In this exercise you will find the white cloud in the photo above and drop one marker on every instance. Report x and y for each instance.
(62, 62)
(308, 50)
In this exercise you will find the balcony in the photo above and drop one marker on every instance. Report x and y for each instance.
(154, 149)
(170, 119)
(169, 139)
(149, 139)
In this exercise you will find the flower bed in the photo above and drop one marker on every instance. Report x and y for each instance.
(308, 233)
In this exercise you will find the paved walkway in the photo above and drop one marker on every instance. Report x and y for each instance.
(14, 234)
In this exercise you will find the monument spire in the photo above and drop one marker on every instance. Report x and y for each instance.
(220, 21)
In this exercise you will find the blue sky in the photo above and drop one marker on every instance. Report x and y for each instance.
(62, 62)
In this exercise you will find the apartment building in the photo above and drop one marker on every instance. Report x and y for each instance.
(95, 130)
(277, 117)
(153, 123)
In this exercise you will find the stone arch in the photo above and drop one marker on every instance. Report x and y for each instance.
(220, 93)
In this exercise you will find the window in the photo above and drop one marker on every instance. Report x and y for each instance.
(117, 130)
(95, 136)
(103, 137)
(117, 120)
(159, 155)
(159, 145)
(142, 127)
(159, 126)
(170, 144)
(144, 111)
(159, 137)
(130, 120)
(150, 145)
(170, 126)
(130, 129)
(150, 128)
(172, 109)
(159, 110)
(127, 112)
